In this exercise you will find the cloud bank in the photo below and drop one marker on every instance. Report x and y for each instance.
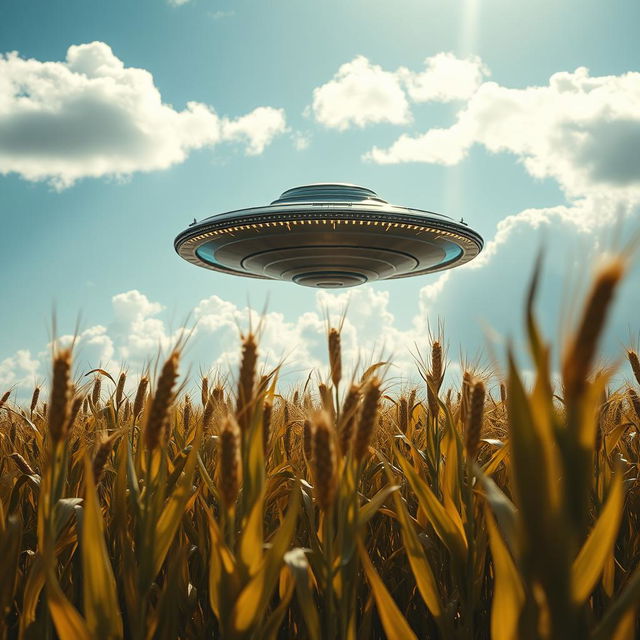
(582, 131)
(91, 116)
(481, 309)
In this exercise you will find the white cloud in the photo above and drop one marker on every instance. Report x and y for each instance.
(363, 93)
(91, 116)
(19, 369)
(301, 141)
(465, 298)
(582, 131)
(359, 94)
(257, 129)
(445, 78)
(437, 146)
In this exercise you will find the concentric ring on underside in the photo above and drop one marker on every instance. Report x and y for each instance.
(328, 243)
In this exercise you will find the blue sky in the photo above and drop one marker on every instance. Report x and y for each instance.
(290, 92)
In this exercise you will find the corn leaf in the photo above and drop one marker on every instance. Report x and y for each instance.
(371, 508)
(502, 508)
(626, 601)
(223, 579)
(425, 580)
(172, 513)
(529, 460)
(444, 525)
(251, 541)
(252, 601)
(273, 624)
(626, 629)
(68, 622)
(10, 543)
(589, 564)
(33, 587)
(394, 624)
(508, 592)
(100, 598)
(297, 562)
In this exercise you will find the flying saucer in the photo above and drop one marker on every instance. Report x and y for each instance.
(328, 236)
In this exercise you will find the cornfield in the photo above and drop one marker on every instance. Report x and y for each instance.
(498, 510)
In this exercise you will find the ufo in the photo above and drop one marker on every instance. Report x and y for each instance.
(329, 236)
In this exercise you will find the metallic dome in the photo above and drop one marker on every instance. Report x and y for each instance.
(328, 235)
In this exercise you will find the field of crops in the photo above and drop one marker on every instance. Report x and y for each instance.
(496, 509)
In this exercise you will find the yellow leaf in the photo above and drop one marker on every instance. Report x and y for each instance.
(613, 437)
(530, 446)
(252, 601)
(626, 629)
(171, 516)
(508, 592)
(494, 462)
(448, 530)
(299, 567)
(394, 624)
(252, 538)
(223, 581)
(272, 625)
(68, 622)
(590, 562)
(33, 587)
(450, 486)
(420, 566)
(608, 575)
(100, 597)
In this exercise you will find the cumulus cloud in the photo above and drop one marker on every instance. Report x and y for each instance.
(475, 317)
(484, 299)
(445, 78)
(19, 369)
(582, 131)
(257, 129)
(138, 333)
(360, 94)
(92, 116)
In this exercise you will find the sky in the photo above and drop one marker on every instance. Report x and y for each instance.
(120, 122)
